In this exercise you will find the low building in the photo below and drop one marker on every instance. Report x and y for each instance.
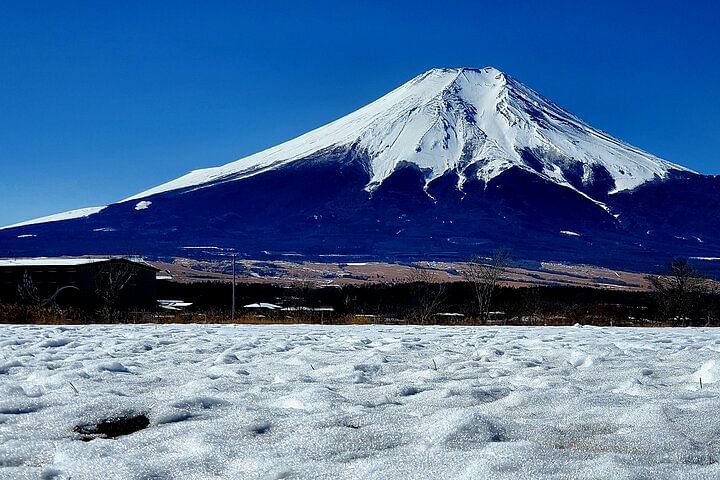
(79, 281)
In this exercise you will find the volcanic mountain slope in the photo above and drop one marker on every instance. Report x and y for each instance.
(455, 162)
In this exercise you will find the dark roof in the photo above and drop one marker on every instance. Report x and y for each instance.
(68, 262)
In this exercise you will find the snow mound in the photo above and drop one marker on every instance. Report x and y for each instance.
(461, 429)
(709, 372)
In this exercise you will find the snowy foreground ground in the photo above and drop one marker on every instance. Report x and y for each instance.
(362, 402)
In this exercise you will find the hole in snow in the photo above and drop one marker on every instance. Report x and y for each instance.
(112, 427)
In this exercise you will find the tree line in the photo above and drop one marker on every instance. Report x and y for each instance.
(680, 296)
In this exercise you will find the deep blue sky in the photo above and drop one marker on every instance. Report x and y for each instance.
(100, 100)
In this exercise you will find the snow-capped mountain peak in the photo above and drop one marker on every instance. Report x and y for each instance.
(477, 122)
(452, 164)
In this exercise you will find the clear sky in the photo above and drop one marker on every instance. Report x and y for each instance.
(102, 99)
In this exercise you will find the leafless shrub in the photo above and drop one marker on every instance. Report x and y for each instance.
(680, 293)
(484, 275)
(429, 294)
(110, 280)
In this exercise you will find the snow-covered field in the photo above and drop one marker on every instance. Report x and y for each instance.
(361, 402)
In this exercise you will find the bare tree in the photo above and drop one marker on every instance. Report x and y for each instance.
(429, 294)
(110, 280)
(484, 275)
(29, 294)
(680, 292)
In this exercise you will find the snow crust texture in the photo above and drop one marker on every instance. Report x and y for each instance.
(361, 402)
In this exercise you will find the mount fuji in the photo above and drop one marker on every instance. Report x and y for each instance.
(453, 163)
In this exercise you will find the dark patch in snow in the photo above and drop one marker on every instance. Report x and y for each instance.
(531, 159)
(260, 428)
(20, 409)
(409, 391)
(112, 427)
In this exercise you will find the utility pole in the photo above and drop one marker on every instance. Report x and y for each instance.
(233, 289)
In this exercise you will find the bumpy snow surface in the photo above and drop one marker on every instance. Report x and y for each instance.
(361, 402)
